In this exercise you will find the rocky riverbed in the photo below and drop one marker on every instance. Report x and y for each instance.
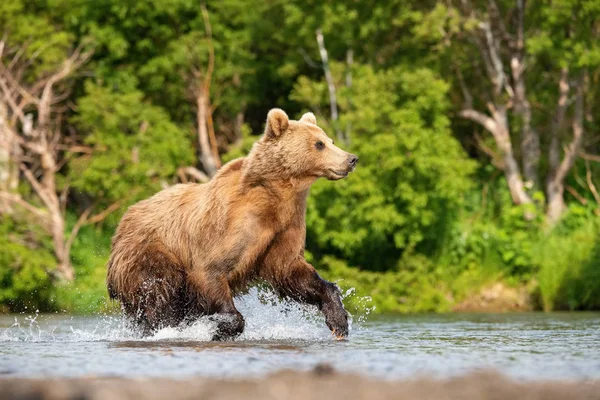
(322, 383)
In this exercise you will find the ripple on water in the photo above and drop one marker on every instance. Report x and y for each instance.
(285, 335)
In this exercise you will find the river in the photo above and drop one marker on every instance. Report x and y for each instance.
(286, 336)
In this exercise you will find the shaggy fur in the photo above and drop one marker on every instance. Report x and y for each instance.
(186, 251)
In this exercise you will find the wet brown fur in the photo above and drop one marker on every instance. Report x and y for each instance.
(186, 251)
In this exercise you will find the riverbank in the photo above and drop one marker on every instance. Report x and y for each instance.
(322, 382)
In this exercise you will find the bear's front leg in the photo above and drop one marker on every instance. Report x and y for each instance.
(230, 324)
(301, 282)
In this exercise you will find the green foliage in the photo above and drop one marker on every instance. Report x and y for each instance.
(136, 146)
(25, 261)
(569, 260)
(87, 294)
(411, 174)
(422, 223)
(415, 287)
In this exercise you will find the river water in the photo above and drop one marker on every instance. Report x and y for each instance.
(286, 336)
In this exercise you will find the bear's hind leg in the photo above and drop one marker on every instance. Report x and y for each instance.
(215, 297)
(156, 298)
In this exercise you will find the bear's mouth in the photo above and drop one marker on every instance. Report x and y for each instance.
(339, 174)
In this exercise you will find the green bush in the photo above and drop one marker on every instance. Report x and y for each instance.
(26, 259)
(569, 260)
(416, 286)
(411, 176)
(87, 294)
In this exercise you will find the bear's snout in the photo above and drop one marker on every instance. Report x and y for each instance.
(352, 161)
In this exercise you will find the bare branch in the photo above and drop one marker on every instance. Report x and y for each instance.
(497, 17)
(500, 77)
(590, 182)
(37, 187)
(7, 94)
(76, 59)
(482, 119)
(589, 157)
(211, 47)
(573, 148)
(75, 230)
(194, 173)
(349, 63)
(575, 194)
(330, 84)
(496, 158)
(558, 121)
(94, 219)
(16, 57)
(311, 63)
(520, 45)
(464, 89)
(15, 85)
(207, 84)
(38, 212)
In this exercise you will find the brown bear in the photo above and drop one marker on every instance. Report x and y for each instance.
(186, 251)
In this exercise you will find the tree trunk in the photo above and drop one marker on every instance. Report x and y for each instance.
(555, 186)
(557, 123)
(30, 144)
(239, 123)
(330, 86)
(64, 267)
(530, 140)
(206, 155)
(9, 171)
(349, 64)
(556, 203)
(498, 127)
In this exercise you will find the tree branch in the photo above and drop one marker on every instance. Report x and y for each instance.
(558, 121)
(482, 119)
(7, 94)
(39, 190)
(464, 89)
(207, 84)
(575, 194)
(75, 230)
(500, 77)
(496, 159)
(589, 157)
(573, 148)
(76, 59)
(38, 212)
(590, 182)
(330, 84)
(194, 173)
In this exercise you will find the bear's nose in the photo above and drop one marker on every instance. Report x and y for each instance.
(353, 160)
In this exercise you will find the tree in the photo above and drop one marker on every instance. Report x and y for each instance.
(517, 44)
(34, 83)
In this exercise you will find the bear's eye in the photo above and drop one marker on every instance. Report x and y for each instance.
(320, 145)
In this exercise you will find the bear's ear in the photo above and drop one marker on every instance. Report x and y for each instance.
(309, 117)
(277, 123)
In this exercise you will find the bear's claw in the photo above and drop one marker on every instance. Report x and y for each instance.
(338, 337)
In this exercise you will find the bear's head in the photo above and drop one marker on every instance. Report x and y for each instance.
(300, 149)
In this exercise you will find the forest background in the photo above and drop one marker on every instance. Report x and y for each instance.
(474, 121)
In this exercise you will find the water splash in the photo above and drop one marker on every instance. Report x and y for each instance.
(267, 318)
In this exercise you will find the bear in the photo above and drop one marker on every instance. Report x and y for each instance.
(189, 249)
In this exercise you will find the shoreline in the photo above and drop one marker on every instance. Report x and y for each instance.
(322, 382)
